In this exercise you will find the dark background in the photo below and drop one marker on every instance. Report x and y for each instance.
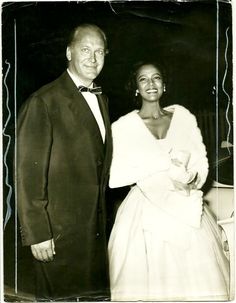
(180, 34)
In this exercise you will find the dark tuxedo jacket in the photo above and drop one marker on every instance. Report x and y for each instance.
(62, 172)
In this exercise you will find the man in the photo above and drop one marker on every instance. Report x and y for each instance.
(64, 153)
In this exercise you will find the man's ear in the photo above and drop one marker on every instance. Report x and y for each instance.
(68, 53)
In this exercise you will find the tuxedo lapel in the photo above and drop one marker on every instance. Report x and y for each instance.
(108, 141)
(91, 123)
(81, 112)
(104, 112)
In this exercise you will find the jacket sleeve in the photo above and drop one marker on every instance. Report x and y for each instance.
(34, 141)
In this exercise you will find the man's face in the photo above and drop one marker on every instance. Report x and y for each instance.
(86, 55)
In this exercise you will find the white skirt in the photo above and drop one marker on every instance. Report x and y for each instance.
(156, 257)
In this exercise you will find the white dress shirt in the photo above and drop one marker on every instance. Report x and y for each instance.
(92, 101)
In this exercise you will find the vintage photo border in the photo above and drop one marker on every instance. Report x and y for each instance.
(4, 127)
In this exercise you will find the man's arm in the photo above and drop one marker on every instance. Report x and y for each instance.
(34, 143)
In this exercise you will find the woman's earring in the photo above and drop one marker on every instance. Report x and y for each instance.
(136, 92)
(164, 89)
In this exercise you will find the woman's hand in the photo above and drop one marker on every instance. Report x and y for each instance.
(179, 186)
(186, 187)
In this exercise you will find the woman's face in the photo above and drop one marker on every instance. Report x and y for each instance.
(150, 83)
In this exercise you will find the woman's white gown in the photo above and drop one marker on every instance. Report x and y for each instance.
(164, 245)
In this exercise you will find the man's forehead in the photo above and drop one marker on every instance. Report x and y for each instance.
(87, 35)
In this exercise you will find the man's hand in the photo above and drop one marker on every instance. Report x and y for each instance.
(44, 251)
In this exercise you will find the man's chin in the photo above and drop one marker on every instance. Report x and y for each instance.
(91, 75)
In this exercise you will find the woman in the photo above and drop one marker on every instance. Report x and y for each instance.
(162, 246)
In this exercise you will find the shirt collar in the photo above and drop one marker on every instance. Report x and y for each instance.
(76, 80)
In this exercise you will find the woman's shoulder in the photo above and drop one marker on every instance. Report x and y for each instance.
(180, 110)
(176, 108)
(126, 119)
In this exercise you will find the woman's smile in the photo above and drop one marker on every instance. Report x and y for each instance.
(152, 91)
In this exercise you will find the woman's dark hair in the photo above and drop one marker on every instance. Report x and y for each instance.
(131, 85)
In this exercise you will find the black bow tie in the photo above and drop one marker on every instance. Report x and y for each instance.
(96, 90)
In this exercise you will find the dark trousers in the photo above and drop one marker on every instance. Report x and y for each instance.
(63, 287)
